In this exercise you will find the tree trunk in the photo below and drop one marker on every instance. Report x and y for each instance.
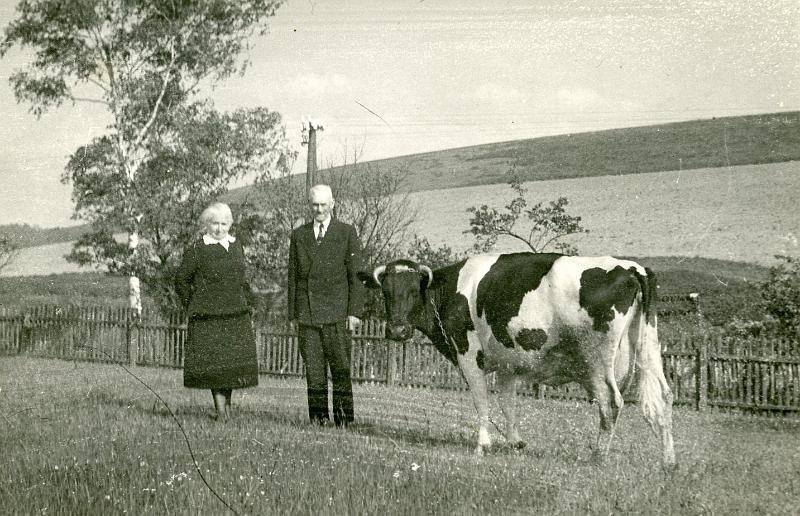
(134, 290)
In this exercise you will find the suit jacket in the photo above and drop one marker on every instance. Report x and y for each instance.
(323, 283)
(211, 280)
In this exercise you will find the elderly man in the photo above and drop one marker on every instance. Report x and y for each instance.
(325, 298)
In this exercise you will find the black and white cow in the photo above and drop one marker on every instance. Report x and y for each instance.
(549, 318)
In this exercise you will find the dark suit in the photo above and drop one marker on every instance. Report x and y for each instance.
(323, 290)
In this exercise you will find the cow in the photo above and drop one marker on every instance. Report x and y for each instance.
(548, 318)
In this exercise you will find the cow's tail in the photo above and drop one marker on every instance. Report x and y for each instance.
(648, 352)
(655, 396)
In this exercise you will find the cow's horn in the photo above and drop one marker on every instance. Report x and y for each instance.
(377, 272)
(427, 270)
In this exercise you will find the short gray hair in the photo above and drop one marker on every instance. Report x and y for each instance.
(320, 189)
(216, 208)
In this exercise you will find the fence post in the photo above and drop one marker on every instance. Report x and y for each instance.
(26, 333)
(391, 366)
(701, 374)
(541, 391)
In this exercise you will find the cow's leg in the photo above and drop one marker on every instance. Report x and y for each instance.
(610, 403)
(507, 385)
(476, 380)
(602, 396)
(612, 373)
(617, 402)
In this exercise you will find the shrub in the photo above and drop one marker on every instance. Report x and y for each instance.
(721, 300)
(548, 225)
(421, 251)
(781, 295)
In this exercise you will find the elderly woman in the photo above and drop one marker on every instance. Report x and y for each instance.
(220, 350)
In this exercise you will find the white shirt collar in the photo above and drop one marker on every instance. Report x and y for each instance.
(224, 241)
(325, 223)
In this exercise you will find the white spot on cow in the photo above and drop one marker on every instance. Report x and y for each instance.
(470, 276)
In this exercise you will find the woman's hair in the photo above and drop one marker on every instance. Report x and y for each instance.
(217, 208)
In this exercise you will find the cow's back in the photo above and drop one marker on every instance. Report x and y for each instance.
(524, 305)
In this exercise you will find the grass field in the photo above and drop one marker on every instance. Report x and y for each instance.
(42, 260)
(745, 213)
(84, 438)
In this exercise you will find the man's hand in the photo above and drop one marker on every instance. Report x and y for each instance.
(292, 324)
(353, 322)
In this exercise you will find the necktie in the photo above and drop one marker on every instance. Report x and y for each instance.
(320, 233)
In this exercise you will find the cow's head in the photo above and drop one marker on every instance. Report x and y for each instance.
(402, 283)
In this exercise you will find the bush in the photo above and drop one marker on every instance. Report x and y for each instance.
(421, 251)
(781, 296)
(548, 225)
(721, 299)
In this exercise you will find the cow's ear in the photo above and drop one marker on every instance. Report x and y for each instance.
(367, 280)
(426, 283)
(423, 283)
(426, 277)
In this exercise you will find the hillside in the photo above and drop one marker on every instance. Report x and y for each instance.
(727, 141)
(745, 213)
(24, 235)
(741, 140)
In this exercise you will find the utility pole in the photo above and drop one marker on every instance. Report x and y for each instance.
(309, 137)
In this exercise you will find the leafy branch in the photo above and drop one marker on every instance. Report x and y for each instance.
(549, 224)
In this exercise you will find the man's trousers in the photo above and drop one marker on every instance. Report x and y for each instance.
(324, 346)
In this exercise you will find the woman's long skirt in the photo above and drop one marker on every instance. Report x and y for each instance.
(220, 352)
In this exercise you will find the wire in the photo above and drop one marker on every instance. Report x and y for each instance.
(177, 422)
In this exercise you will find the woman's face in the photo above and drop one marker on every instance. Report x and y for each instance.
(218, 226)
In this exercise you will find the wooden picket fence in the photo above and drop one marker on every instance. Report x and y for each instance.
(718, 370)
(707, 370)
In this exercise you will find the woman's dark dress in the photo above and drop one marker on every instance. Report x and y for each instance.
(220, 350)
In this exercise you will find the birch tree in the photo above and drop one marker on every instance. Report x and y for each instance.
(144, 60)
(193, 160)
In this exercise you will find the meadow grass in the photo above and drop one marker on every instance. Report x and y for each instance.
(742, 214)
(81, 438)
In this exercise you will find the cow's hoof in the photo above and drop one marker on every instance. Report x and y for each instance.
(480, 451)
(519, 445)
(598, 457)
(669, 468)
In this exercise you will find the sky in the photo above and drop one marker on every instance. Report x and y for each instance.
(396, 77)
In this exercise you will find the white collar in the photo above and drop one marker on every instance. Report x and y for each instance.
(224, 241)
(325, 223)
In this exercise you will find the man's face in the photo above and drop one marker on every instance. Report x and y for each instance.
(321, 205)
